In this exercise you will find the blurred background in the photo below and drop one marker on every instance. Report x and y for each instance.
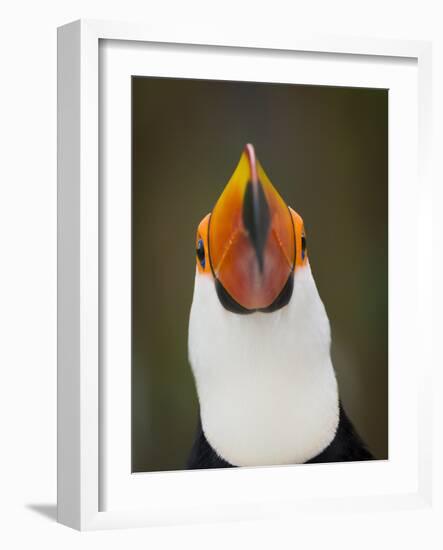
(326, 151)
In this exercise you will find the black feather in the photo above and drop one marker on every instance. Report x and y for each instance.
(203, 455)
(347, 445)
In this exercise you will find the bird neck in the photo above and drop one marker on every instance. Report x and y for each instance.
(265, 382)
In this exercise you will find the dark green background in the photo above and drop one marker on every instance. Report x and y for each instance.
(326, 151)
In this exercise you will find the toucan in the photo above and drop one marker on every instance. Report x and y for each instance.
(259, 340)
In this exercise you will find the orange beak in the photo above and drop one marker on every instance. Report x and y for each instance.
(251, 239)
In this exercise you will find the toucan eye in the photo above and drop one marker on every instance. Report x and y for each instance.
(201, 252)
(303, 247)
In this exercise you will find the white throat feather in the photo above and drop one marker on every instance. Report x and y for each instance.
(265, 381)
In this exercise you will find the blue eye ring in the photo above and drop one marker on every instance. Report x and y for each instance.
(201, 253)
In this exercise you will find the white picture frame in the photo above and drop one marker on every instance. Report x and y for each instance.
(97, 492)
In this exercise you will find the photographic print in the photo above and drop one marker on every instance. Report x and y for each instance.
(259, 274)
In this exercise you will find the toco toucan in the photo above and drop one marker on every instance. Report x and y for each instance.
(259, 337)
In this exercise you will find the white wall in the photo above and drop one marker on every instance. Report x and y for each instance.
(28, 263)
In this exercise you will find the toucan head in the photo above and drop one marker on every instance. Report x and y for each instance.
(252, 242)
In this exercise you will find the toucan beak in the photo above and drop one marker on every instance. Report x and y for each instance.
(251, 237)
